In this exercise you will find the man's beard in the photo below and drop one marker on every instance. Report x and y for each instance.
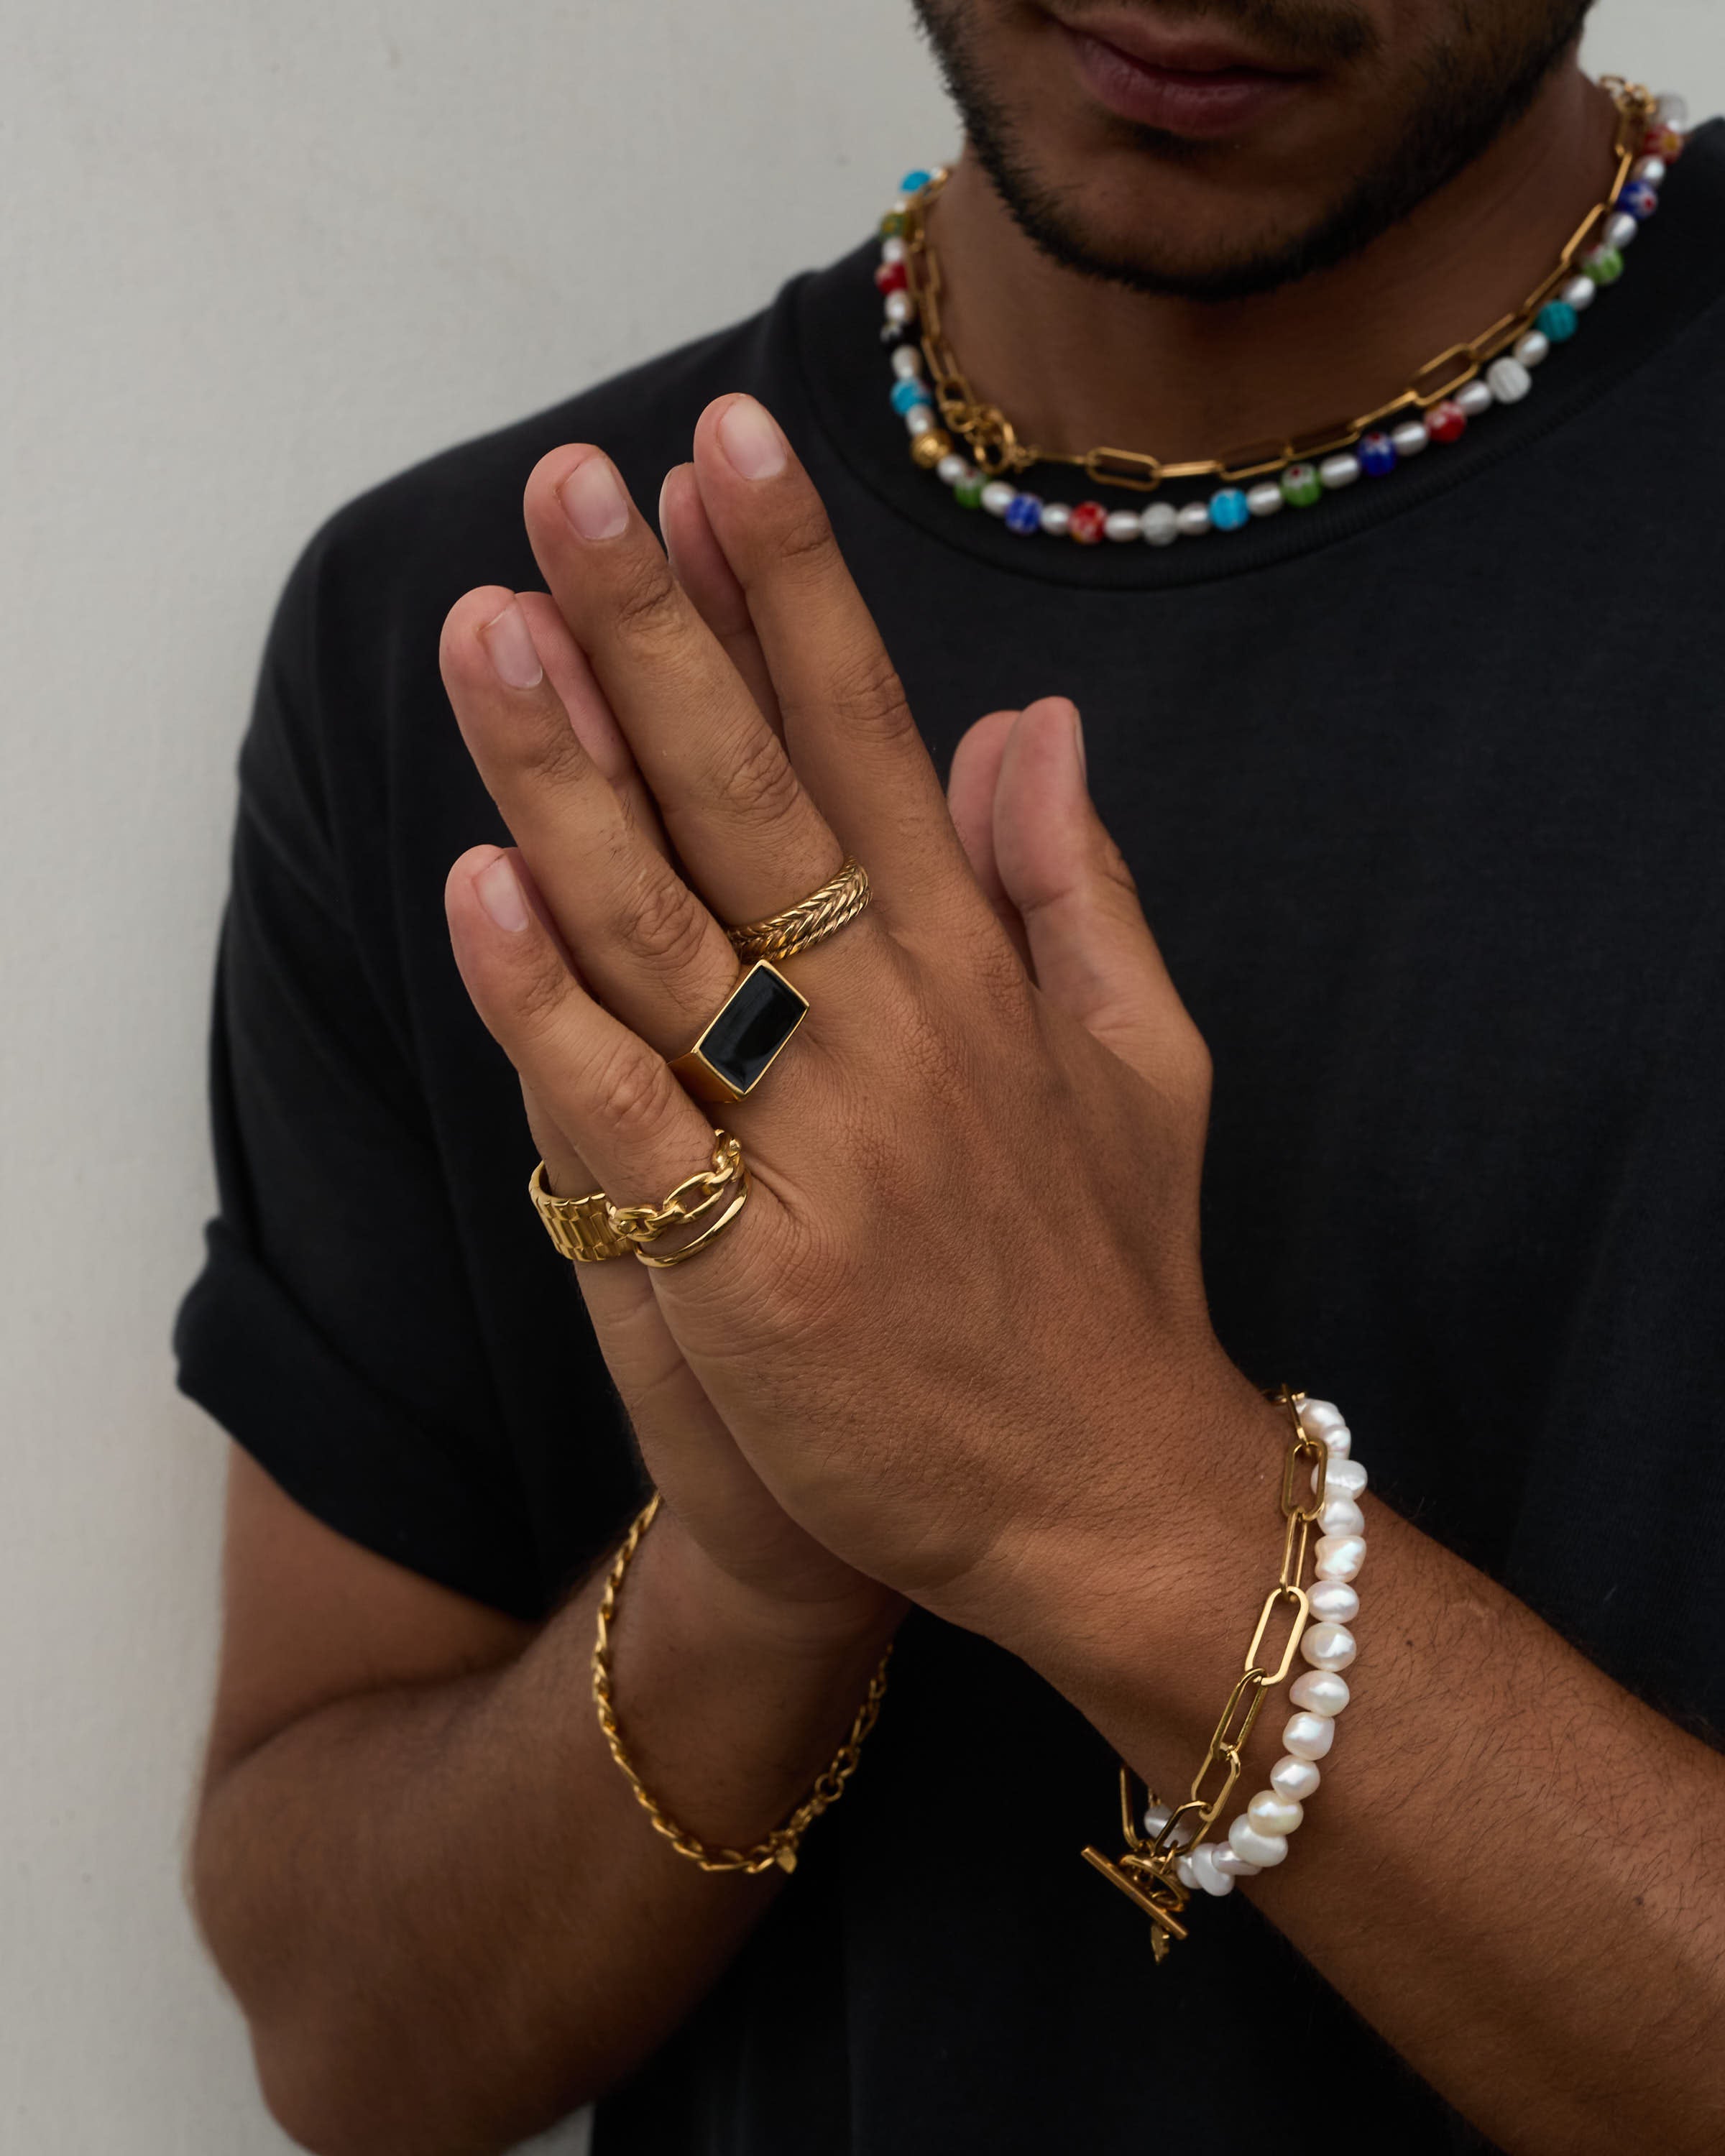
(1468, 90)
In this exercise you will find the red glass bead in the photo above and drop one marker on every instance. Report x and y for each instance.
(1447, 422)
(1664, 142)
(890, 277)
(1089, 520)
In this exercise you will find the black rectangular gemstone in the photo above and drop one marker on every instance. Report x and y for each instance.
(763, 1012)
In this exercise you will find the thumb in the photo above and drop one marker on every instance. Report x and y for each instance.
(1091, 948)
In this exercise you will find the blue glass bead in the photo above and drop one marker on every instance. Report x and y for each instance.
(1230, 509)
(911, 392)
(911, 181)
(1024, 514)
(1639, 200)
(1378, 456)
(1559, 320)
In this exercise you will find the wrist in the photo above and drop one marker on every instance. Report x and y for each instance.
(830, 1625)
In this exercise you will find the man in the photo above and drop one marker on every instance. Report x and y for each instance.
(1418, 774)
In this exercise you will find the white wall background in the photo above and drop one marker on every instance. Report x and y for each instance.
(255, 255)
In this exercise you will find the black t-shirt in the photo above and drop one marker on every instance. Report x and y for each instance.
(1424, 788)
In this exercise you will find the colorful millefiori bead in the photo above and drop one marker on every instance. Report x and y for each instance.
(1605, 265)
(1662, 141)
(908, 392)
(1639, 200)
(1557, 319)
(968, 491)
(890, 277)
(1447, 422)
(1378, 456)
(1089, 520)
(1301, 486)
(1230, 509)
(1024, 514)
(892, 225)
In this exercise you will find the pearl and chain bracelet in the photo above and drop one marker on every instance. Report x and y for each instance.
(1171, 1859)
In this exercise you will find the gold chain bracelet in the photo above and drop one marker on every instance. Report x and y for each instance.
(995, 447)
(780, 1846)
(1149, 1872)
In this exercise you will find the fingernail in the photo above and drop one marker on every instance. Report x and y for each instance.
(594, 500)
(1078, 745)
(749, 436)
(509, 644)
(498, 889)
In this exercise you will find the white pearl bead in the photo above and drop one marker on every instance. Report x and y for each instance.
(1533, 348)
(893, 249)
(1579, 293)
(1333, 1601)
(1195, 520)
(1327, 1647)
(920, 419)
(900, 204)
(952, 468)
(1265, 501)
(1056, 519)
(1262, 1849)
(1412, 436)
(1271, 1814)
(1208, 1872)
(1156, 1817)
(1343, 1478)
(1319, 1418)
(898, 308)
(1185, 1874)
(1320, 1691)
(1124, 523)
(1340, 471)
(1672, 111)
(1161, 524)
(1620, 230)
(1509, 380)
(1339, 1557)
(997, 497)
(1341, 1515)
(1294, 1778)
(1308, 1735)
(1474, 398)
(1651, 171)
(1233, 1865)
(906, 361)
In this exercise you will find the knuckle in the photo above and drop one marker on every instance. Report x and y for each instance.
(807, 542)
(541, 994)
(864, 695)
(644, 602)
(757, 782)
(633, 1089)
(661, 921)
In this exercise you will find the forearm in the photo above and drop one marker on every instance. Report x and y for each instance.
(1513, 1869)
(448, 1919)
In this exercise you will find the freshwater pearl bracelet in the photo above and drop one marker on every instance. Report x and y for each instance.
(1455, 389)
(1171, 1858)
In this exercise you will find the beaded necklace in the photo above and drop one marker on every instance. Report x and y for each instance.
(1263, 478)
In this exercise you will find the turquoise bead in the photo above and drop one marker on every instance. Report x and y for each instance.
(913, 181)
(1230, 509)
(910, 393)
(1559, 320)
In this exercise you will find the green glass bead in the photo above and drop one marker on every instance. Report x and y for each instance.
(968, 492)
(1301, 486)
(892, 225)
(1605, 265)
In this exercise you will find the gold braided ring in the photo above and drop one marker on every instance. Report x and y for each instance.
(810, 921)
(591, 1229)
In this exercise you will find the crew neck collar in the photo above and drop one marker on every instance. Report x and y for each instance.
(1673, 274)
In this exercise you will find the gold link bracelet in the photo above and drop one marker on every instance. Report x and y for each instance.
(1145, 1873)
(780, 1846)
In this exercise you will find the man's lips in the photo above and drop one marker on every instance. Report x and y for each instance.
(1182, 86)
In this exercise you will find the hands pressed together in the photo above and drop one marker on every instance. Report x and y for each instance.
(957, 1346)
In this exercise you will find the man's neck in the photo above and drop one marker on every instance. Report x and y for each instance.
(1073, 362)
